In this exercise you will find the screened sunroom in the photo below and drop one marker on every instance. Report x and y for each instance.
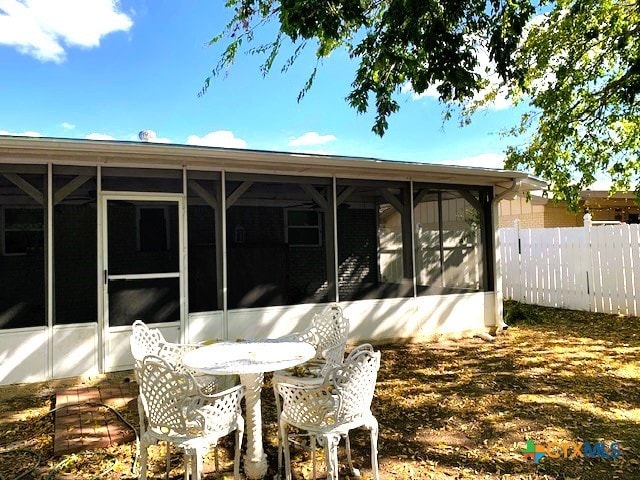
(211, 243)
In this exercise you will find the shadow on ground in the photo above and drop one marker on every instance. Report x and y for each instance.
(453, 410)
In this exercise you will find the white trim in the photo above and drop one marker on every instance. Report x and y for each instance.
(117, 153)
(102, 307)
(144, 276)
(142, 196)
(223, 225)
(105, 197)
(413, 240)
(127, 328)
(336, 278)
(498, 314)
(49, 270)
(184, 285)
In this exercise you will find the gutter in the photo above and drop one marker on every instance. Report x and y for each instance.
(508, 194)
(120, 153)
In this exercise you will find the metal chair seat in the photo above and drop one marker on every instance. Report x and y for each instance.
(328, 411)
(176, 411)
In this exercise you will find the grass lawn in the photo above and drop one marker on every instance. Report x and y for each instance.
(447, 410)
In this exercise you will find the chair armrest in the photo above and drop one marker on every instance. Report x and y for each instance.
(216, 412)
(308, 405)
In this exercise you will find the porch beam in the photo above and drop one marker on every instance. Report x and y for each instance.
(203, 193)
(238, 192)
(419, 196)
(392, 199)
(70, 187)
(475, 203)
(25, 186)
(344, 195)
(315, 196)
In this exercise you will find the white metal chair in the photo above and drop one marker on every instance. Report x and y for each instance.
(328, 333)
(328, 411)
(177, 412)
(147, 341)
(331, 328)
(150, 341)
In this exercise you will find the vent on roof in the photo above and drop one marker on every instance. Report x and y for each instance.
(147, 135)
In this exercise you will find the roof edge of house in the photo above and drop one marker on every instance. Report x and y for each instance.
(117, 152)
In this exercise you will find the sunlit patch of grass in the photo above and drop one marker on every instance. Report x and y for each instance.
(630, 371)
(578, 404)
(23, 415)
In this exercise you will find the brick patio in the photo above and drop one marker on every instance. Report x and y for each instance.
(80, 424)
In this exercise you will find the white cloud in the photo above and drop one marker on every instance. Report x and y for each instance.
(219, 138)
(44, 28)
(99, 136)
(311, 138)
(23, 134)
(486, 70)
(430, 92)
(483, 160)
(67, 125)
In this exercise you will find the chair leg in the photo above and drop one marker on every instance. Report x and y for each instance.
(374, 449)
(331, 453)
(280, 440)
(167, 460)
(187, 465)
(216, 461)
(312, 444)
(354, 471)
(236, 458)
(143, 461)
(284, 434)
(198, 459)
(142, 420)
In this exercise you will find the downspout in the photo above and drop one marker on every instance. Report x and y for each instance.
(499, 325)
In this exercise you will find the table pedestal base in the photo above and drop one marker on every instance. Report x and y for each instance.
(255, 460)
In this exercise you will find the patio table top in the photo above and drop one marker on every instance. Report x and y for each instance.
(248, 357)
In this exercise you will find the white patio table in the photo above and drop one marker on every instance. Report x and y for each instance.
(250, 360)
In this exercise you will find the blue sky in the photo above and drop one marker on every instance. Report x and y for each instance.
(104, 69)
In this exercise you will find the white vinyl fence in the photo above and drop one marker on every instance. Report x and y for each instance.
(592, 268)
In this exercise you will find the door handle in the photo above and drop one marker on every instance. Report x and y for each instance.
(106, 276)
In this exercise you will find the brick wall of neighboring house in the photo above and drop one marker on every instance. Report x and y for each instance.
(541, 213)
(537, 213)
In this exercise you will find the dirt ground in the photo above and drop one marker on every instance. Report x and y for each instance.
(447, 410)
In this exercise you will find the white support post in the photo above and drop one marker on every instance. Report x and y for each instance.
(498, 320)
(589, 270)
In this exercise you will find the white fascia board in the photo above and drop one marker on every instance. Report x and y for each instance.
(130, 154)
